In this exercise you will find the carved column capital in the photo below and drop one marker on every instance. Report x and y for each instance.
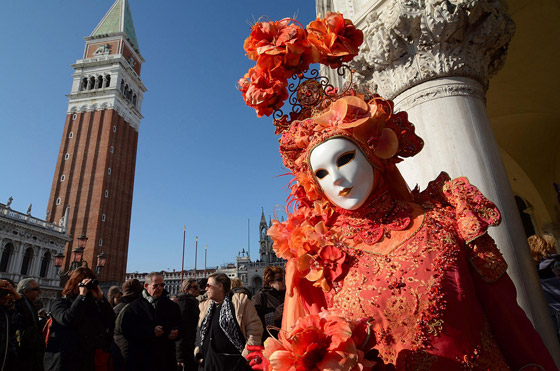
(407, 42)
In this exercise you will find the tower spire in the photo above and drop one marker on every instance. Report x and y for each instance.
(117, 21)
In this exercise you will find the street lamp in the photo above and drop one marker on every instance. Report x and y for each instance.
(77, 259)
(101, 260)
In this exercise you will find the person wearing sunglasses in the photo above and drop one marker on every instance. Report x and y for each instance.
(228, 325)
(188, 303)
(269, 302)
(151, 325)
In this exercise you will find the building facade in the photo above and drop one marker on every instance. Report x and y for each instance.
(27, 249)
(94, 176)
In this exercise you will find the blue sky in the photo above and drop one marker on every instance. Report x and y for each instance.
(204, 159)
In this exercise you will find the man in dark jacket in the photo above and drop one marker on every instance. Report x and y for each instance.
(31, 344)
(151, 325)
(189, 319)
(132, 290)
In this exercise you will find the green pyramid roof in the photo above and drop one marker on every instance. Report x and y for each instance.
(118, 19)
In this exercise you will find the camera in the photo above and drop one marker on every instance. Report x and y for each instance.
(92, 284)
(4, 292)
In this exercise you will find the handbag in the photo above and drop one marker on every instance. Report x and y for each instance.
(215, 361)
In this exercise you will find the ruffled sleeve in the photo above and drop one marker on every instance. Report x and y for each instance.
(475, 214)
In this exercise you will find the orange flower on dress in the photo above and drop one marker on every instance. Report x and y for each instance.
(323, 341)
(327, 267)
(335, 38)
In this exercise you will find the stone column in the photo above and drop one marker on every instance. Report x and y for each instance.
(433, 58)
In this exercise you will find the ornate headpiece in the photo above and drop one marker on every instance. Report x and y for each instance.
(284, 49)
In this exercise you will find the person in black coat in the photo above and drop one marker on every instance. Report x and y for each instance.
(132, 290)
(31, 344)
(10, 303)
(82, 325)
(150, 326)
(188, 304)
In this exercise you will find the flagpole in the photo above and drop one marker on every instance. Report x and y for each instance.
(195, 255)
(183, 259)
(205, 252)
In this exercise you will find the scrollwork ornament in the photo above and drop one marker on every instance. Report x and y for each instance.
(310, 92)
(407, 42)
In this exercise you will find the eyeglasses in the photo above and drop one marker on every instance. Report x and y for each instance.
(158, 284)
(35, 289)
(193, 288)
(279, 279)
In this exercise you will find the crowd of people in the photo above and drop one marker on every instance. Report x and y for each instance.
(138, 326)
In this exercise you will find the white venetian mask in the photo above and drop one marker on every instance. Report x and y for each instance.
(343, 172)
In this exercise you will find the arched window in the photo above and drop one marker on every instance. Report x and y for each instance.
(257, 282)
(27, 257)
(107, 80)
(122, 86)
(83, 85)
(8, 249)
(45, 262)
(99, 84)
(91, 84)
(134, 99)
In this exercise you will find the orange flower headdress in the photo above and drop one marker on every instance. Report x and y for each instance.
(284, 49)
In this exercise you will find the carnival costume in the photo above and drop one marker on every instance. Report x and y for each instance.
(401, 280)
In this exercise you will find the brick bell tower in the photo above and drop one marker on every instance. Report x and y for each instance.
(94, 176)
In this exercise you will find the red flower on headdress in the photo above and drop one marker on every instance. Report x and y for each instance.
(284, 48)
(336, 39)
(280, 47)
(263, 92)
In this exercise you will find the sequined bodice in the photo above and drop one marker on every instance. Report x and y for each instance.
(417, 295)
